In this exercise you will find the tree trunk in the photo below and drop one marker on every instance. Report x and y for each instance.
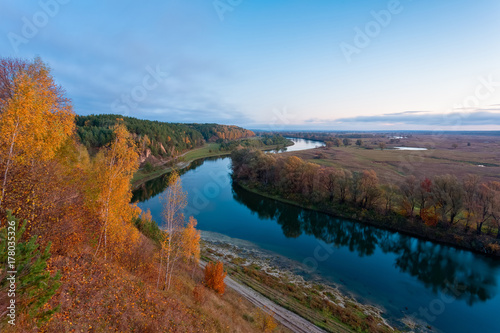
(9, 160)
(159, 272)
(479, 228)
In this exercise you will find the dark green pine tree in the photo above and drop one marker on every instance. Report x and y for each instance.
(34, 284)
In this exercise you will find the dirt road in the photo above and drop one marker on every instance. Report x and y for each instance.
(287, 318)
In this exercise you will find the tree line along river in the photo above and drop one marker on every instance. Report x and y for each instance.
(450, 290)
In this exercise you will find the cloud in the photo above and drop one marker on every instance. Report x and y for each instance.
(474, 118)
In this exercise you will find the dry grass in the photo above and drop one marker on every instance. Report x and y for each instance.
(103, 296)
(393, 165)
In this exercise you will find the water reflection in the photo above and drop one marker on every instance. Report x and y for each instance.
(460, 274)
(153, 187)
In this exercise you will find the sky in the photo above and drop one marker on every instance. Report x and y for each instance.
(271, 65)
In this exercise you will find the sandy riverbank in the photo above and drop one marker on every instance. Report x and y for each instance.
(238, 254)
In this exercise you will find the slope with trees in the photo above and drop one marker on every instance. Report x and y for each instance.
(101, 271)
(162, 140)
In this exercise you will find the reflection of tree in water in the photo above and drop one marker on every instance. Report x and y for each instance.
(294, 221)
(153, 187)
(457, 273)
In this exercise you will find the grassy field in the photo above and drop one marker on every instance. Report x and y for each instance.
(458, 155)
(210, 149)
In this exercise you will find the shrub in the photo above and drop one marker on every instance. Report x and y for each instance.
(266, 321)
(493, 248)
(199, 294)
(269, 323)
(214, 277)
(149, 228)
(148, 167)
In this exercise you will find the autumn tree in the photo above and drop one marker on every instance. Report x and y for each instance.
(214, 276)
(485, 204)
(344, 184)
(266, 320)
(495, 207)
(35, 117)
(40, 162)
(291, 174)
(173, 201)
(471, 192)
(409, 194)
(355, 186)
(389, 194)
(191, 242)
(146, 216)
(110, 193)
(369, 188)
(262, 167)
(479, 199)
(424, 194)
(449, 196)
(309, 180)
(329, 179)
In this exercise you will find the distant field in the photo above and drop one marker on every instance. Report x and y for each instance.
(447, 154)
(211, 149)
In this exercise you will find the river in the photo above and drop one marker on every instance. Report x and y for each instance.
(451, 290)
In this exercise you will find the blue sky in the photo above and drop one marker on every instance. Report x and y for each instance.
(296, 64)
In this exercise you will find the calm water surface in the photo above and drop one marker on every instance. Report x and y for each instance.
(452, 290)
(409, 148)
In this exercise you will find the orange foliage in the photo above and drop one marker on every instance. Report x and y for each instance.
(269, 324)
(82, 205)
(36, 123)
(429, 218)
(146, 216)
(214, 277)
(110, 192)
(191, 241)
(173, 201)
(405, 208)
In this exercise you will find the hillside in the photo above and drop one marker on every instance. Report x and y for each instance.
(81, 256)
(155, 138)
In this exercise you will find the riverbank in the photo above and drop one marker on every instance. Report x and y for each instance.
(393, 222)
(282, 280)
(183, 161)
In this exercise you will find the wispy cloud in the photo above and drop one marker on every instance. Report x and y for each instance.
(476, 117)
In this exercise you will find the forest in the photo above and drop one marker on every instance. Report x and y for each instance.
(261, 141)
(162, 139)
(442, 208)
